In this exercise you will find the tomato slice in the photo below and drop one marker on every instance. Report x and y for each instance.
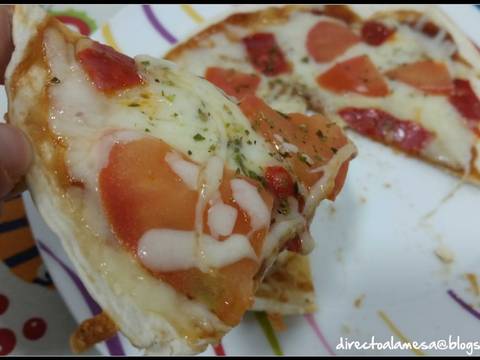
(140, 192)
(464, 99)
(384, 127)
(427, 75)
(109, 70)
(316, 139)
(137, 171)
(375, 33)
(234, 83)
(265, 54)
(327, 40)
(357, 75)
(228, 291)
(294, 245)
(339, 180)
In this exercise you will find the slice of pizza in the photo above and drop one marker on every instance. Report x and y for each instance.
(171, 200)
(405, 76)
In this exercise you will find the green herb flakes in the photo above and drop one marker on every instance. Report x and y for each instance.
(198, 137)
(202, 115)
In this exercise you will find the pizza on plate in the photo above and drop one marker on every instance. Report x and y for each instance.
(172, 200)
(403, 75)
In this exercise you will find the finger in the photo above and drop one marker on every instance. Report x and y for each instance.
(17, 189)
(6, 44)
(15, 153)
(6, 184)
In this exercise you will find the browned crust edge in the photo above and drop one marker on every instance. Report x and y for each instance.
(92, 331)
(261, 17)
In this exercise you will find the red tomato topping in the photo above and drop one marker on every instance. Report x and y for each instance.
(109, 70)
(136, 186)
(381, 126)
(466, 101)
(294, 245)
(358, 75)
(327, 40)
(265, 54)
(234, 83)
(140, 191)
(427, 75)
(339, 180)
(316, 139)
(279, 182)
(375, 33)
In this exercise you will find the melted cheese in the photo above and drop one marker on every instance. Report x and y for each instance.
(166, 250)
(285, 147)
(247, 196)
(454, 140)
(211, 178)
(307, 241)
(285, 227)
(186, 170)
(221, 219)
(172, 250)
(221, 253)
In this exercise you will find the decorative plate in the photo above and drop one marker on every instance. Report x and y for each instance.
(397, 254)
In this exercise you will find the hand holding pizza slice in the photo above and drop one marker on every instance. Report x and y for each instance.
(171, 199)
(15, 152)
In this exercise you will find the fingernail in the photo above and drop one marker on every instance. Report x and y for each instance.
(15, 152)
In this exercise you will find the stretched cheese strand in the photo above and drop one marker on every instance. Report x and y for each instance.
(210, 178)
